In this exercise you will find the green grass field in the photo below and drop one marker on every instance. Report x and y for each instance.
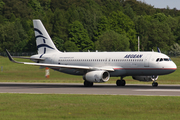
(26, 73)
(88, 107)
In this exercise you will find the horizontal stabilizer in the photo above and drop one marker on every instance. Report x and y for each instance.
(39, 59)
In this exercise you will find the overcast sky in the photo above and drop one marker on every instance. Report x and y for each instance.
(163, 3)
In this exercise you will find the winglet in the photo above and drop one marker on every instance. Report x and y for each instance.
(10, 57)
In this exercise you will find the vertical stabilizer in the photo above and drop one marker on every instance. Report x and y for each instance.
(43, 41)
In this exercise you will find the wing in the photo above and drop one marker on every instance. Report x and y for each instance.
(107, 68)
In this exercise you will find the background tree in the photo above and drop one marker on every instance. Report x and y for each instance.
(175, 49)
(89, 15)
(58, 43)
(1, 6)
(19, 8)
(60, 24)
(70, 46)
(132, 18)
(101, 27)
(142, 28)
(112, 41)
(129, 11)
(122, 24)
(141, 8)
(160, 17)
(13, 37)
(177, 31)
(79, 36)
(160, 35)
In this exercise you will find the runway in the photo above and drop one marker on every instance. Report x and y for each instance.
(97, 89)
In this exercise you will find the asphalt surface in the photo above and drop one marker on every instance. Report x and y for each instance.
(97, 89)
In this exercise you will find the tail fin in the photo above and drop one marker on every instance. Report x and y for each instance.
(43, 40)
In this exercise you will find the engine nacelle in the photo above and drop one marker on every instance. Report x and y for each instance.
(97, 76)
(145, 78)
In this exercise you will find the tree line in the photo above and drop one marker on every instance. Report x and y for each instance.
(82, 25)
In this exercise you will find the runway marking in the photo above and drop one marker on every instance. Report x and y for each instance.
(158, 90)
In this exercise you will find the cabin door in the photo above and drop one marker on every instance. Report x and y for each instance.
(146, 61)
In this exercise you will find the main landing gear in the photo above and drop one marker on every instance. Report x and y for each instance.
(87, 83)
(121, 82)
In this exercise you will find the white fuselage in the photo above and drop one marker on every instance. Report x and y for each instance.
(123, 63)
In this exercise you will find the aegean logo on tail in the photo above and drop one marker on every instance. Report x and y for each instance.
(44, 39)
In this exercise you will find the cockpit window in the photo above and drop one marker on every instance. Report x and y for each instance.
(161, 59)
(166, 59)
(157, 60)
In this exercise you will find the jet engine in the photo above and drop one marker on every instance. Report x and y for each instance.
(97, 76)
(145, 78)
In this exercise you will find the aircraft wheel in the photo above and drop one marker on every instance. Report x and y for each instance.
(120, 82)
(88, 84)
(154, 84)
(123, 82)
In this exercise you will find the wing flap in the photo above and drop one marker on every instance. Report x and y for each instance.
(57, 66)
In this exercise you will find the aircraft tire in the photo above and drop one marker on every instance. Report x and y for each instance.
(154, 84)
(88, 84)
(120, 82)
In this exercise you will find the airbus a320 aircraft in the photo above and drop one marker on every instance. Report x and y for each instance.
(96, 67)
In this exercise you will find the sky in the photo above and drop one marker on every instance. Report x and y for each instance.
(163, 3)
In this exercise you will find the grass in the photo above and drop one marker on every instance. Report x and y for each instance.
(88, 107)
(26, 73)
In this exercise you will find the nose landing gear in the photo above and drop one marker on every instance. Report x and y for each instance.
(154, 78)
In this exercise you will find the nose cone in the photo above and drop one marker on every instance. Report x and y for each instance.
(169, 67)
(174, 66)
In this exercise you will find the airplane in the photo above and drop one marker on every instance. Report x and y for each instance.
(97, 67)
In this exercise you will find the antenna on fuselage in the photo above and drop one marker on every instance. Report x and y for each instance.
(158, 50)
